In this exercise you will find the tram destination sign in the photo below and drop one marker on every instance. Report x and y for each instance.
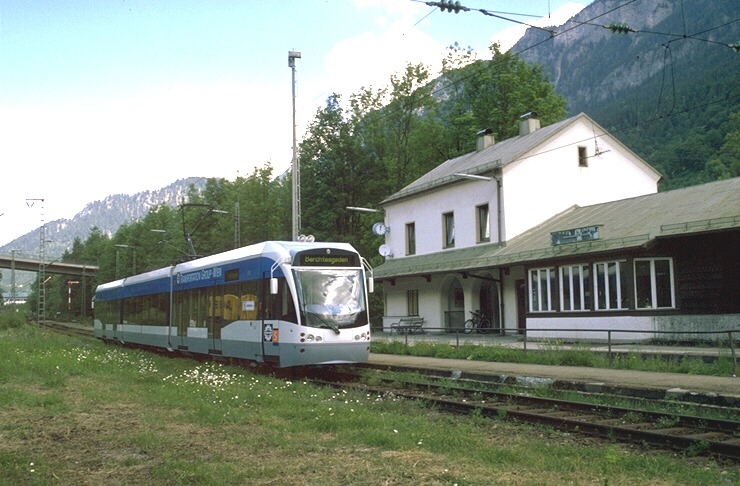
(327, 258)
(575, 235)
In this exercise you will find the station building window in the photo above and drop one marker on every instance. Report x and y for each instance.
(483, 222)
(448, 223)
(654, 287)
(412, 302)
(410, 238)
(610, 285)
(541, 287)
(604, 286)
(575, 287)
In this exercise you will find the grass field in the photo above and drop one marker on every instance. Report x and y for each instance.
(74, 411)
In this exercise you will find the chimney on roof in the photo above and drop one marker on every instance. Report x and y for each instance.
(485, 139)
(528, 123)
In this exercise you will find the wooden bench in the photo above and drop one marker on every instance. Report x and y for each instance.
(409, 325)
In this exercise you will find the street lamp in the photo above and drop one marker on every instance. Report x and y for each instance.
(363, 210)
(134, 258)
(473, 176)
(380, 228)
(292, 56)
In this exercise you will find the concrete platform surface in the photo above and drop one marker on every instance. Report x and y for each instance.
(675, 384)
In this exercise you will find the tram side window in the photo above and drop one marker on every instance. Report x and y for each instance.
(195, 307)
(108, 312)
(152, 306)
(145, 309)
(136, 309)
(281, 305)
(128, 309)
(231, 303)
(160, 304)
(249, 305)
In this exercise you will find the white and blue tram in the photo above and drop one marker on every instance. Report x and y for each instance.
(280, 303)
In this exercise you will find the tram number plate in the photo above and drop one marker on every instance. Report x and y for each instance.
(270, 334)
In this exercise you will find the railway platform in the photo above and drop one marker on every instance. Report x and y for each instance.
(679, 386)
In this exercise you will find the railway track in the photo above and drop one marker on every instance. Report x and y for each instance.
(691, 434)
(68, 329)
(694, 435)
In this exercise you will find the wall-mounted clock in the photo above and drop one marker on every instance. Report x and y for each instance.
(380, 229)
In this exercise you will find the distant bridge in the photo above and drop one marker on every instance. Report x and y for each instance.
(60, 268)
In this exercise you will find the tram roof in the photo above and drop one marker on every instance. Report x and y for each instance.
(275, 250)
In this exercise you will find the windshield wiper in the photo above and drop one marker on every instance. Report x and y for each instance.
(327, 324)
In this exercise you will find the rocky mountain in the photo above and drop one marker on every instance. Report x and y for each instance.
(663, 76)
(107, 215)
(593, 65)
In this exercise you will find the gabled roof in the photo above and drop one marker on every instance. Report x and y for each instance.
(624, 224)
(497, 155)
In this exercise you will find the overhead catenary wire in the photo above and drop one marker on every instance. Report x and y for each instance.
(493, 63)
(456, 7)
(616, 27)
(578, 24)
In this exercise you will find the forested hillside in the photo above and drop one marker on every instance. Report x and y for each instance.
(663, 77)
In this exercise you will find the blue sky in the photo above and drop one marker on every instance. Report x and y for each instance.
(104, 97)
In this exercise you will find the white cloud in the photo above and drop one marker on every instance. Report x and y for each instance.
(69, 153)
(370, 59)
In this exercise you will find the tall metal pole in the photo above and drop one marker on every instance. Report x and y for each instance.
(133, 248)
(237, 225)
(13, 288)
(292, 56)
(41, 304)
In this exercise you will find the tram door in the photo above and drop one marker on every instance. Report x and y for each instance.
(214, 318)
(270, 330)
(181, 316)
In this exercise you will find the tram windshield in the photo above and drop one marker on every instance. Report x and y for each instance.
(332, 299)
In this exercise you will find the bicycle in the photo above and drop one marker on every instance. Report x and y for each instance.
(478, 323)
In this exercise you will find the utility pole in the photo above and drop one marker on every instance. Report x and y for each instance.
(237, 228)
(133, 271)
(41, 304)
(13, 288)
(292, 56)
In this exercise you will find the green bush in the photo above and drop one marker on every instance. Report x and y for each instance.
(11, 320)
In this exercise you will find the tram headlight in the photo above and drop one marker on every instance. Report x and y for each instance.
(309, 338)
